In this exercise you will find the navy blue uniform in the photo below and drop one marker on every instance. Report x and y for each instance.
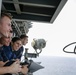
(6, 53)
(19, 53)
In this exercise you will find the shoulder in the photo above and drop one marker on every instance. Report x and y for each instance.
(1, 48)
(21, 48)
(7, 48)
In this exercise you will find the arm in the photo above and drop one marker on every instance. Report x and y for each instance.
(14, 68)
(3, 63)
(4, 70)
(24, 69)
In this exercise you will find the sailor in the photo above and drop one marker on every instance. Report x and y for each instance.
(5, 29)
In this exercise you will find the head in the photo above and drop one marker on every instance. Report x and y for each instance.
(5, 24)
(16, 43)
(24, 39)
(6, 40)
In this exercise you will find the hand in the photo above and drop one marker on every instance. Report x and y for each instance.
(24, 69)
(15, 67)
(18, 60)
(3, 63)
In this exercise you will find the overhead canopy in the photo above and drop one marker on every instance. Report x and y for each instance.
(34, 10)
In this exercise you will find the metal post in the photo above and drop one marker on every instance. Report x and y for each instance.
(26, 53)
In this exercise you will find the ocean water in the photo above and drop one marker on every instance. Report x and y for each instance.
(56, 65)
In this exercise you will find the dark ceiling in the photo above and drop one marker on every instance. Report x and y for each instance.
(34, 10)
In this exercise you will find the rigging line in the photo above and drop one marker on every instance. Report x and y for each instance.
(69, 45)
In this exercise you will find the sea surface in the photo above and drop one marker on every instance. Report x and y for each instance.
(56, 65)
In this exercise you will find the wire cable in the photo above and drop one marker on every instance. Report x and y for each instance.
(68, 46)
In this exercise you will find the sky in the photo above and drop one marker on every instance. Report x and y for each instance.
(58, 34)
